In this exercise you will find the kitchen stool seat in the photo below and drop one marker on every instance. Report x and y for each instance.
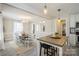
(48, 50)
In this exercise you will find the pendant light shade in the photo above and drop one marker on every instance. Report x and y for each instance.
(59, 19)
(59, 10)
(45, 9)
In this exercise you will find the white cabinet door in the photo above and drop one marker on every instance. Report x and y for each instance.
(77, 18)
(72, 38)
(72, 20)
(1, 33)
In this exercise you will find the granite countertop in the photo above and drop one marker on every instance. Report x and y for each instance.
(59, 42)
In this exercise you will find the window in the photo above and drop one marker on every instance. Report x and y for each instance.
(18, 27)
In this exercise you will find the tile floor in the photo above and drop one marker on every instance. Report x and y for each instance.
(71, 51)
(14, 50)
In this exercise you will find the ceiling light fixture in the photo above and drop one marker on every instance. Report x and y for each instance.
(59, 19)
(45, 9)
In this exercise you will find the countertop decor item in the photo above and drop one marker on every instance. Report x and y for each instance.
(56, 34)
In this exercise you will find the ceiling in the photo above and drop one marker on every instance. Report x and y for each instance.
(66, 8)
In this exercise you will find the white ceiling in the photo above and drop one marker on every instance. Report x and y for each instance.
(66, 8)
(15, 13)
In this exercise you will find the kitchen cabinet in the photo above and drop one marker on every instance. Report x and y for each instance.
(72, 37)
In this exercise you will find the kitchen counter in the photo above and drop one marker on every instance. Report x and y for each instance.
(59, 43)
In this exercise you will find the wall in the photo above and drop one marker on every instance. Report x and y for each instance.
(26, 27)
(1, 33)
(8, 28)
(1, 30)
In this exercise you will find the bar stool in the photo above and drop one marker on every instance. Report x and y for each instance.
(52, 51)
(48, 50)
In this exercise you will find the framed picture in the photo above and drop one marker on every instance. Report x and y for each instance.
(72, 30)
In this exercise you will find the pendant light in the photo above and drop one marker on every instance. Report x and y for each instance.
(59, 19)
(45, 9)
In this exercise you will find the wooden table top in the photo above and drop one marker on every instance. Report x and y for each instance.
(58, 42)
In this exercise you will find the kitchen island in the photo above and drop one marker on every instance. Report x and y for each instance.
(59, 43)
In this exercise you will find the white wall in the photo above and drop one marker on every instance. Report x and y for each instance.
(1, 33)
(1, 30)
(26, 27)
(8, 28)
